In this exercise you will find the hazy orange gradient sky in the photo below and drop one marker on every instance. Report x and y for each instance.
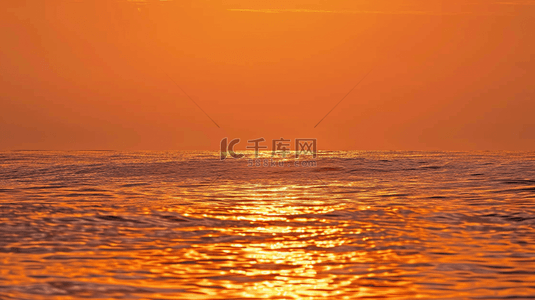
(91, 74)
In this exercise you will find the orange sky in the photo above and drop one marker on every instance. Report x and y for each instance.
(93, 74)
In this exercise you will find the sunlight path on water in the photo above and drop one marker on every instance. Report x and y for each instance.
(175, 225)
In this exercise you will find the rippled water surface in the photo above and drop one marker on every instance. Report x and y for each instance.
(184, 225)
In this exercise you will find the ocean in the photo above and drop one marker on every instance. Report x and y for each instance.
(187, 225)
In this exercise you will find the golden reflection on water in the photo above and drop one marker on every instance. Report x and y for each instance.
(340, 237)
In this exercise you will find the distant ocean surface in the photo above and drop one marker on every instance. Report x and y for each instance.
(185, 225)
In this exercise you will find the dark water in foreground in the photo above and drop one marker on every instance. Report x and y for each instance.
(184, 225)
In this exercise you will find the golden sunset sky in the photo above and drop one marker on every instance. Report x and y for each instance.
(91, 74)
